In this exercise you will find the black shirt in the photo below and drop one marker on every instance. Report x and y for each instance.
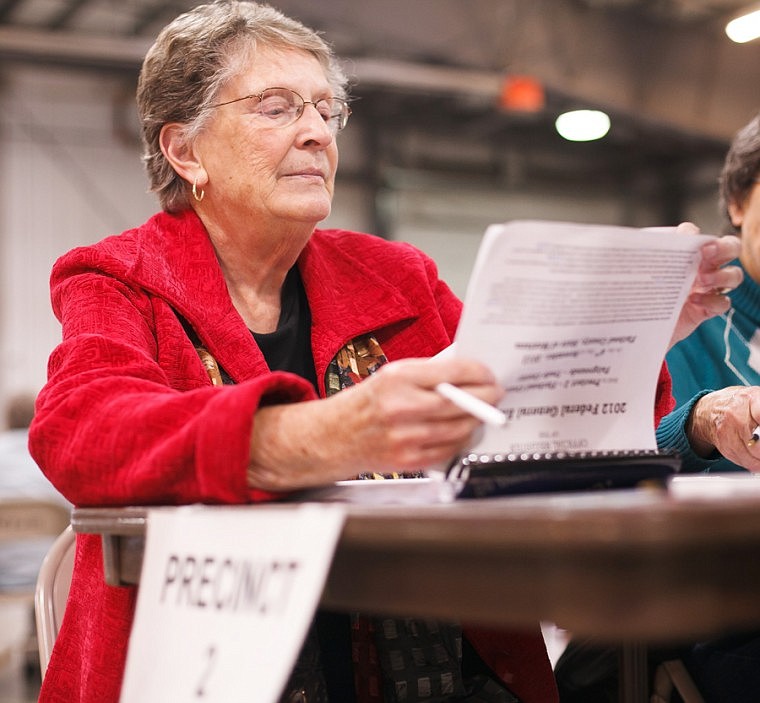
(288, 348)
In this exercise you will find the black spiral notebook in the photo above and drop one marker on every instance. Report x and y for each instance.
(504, 475)
(478, 476)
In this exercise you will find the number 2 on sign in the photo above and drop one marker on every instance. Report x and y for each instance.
(200, 691)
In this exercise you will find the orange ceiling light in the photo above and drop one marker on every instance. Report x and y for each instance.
(522, 94)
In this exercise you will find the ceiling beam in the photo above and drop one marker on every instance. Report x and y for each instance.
(151, 14)
(67, 13)
(7, 7)
(70, 49)
(705, 93)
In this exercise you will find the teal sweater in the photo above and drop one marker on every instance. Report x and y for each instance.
(723, 351)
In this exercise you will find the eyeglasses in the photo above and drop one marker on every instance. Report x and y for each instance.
(281, 107)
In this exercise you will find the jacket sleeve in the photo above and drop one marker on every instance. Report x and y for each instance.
(128, 415)
(671, 436)
(663, 401)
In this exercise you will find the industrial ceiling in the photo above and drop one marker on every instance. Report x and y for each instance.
(429, 75)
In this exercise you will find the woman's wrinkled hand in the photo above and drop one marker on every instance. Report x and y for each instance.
(714, 279)
(724, 420)
(393, 421)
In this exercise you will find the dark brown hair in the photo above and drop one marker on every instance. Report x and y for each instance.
(741, 168)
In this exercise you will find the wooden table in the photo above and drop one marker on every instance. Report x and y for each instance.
(625, 567)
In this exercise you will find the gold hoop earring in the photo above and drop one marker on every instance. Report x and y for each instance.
(197, 197)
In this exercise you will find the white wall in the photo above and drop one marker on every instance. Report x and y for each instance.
(69, 176)
(448, 223)
(67, 179)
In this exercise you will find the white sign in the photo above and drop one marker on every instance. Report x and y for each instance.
(226, 598)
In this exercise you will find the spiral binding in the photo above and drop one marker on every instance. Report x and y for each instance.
(460, 468)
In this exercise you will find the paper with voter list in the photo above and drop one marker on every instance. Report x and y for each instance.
(226, 597)
(574, 320)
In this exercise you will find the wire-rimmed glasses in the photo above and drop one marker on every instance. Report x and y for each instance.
(281, 107)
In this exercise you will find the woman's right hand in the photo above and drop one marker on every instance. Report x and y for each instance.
(394, 420)
(707, 297)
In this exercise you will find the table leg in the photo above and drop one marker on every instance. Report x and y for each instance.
(634, 674)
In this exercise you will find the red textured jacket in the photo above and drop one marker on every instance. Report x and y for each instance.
(129, 417)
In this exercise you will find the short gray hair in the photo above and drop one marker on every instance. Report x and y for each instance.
(191, 60)
(741, 168)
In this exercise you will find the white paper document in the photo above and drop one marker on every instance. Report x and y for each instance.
(575, 320)
(401, 491)
(715, 487)
(226, 598)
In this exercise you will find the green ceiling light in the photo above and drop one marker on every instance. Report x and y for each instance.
(582, 125)
(746, 27)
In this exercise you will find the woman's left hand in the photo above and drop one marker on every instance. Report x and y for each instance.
(724, 420)
(714, 279)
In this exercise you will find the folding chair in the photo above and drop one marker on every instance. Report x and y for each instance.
(672, 675)
(27, 528)
(52, 593)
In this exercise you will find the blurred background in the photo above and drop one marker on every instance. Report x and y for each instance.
(455, 104)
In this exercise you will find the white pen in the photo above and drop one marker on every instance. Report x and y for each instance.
(469, 403)
(755, 436)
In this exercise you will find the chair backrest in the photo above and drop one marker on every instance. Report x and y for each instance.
(52, 593)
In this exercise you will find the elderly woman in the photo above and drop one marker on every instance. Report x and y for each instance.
(212, 354)
(721, 422)
(711, 430)
(719, 402)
